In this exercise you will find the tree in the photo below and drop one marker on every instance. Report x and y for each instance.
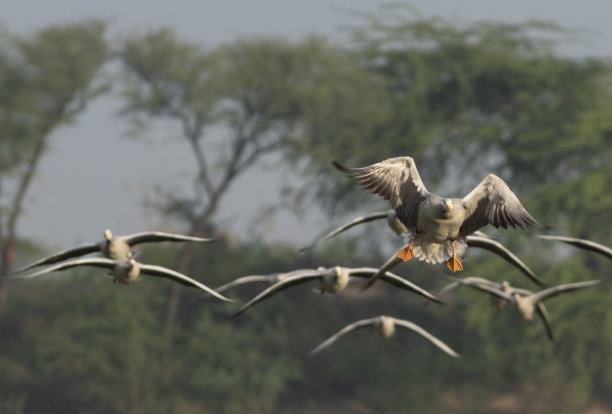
(49, 80)
(258, 109)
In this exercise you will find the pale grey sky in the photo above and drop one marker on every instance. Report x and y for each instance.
(92, 178)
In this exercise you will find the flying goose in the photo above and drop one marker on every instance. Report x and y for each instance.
(581, 243)
(526, 303)
(127, 271)
(333, 280)
(499, 301)
(385, 325)
(118, 247)
(434, 224)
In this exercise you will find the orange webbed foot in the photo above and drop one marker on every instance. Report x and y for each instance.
(406, 253)
(454, 264)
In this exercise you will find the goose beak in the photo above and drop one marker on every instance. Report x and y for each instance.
(448, 204)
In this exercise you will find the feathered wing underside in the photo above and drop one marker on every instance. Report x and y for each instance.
(63, 255)
(344, 227)
(397, 180)
(160, 271)
(277, 287)
(498, 248)
(393, 279)
(493, 202)
(94, 261)
(416, 328)
(543, 314)
(582, 243)
(351, 327)
(557, 290)
(158, 236)
(244, 280)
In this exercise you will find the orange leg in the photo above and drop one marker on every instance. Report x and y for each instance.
(454, 264)
(407, 253)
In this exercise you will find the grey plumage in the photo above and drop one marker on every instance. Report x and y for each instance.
(434, 223)
(582, 244)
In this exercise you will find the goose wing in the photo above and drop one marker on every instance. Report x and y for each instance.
(493, 202)
(496, 247)
(437, 342)
(556, 290)
(160, 271)
(397, 180)
(302, 277)
(394, 280)
(244, 280)
(344, 227)
(93, 261)
(63, 255)
(351, 327)
(543, 314)
(158, 236)
(582, 243)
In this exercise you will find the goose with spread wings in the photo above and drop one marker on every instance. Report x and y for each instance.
(334, 280)
(114, 247)
(385, 325)
(499, 301)
(127, 271)
(526, 303)
(434, 224)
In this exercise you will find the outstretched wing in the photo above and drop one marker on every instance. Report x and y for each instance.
(437, 342)
(244, 280)
(158, 236)
(543, 314)
(160, 271)
(556, 290)
(351, 327)
(493, 202)
(63, 255)
(344, 227)
(582, 243)
(277, 287)
(397, 180)
(93, 261)
(394, 280)
(498, 248)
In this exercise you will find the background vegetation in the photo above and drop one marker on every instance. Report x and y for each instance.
(463, 100)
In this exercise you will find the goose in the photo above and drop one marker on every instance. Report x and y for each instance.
(498, 301)
(581, 243)
(385, 325)
(333, 280)
(113, 247)
(127, 271)
(435, 224)
(526, 303)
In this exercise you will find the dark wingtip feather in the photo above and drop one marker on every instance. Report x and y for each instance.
(341, 167)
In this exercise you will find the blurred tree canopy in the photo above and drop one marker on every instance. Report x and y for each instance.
(462, 99)
(47, 79)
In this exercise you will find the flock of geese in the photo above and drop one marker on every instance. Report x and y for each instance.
(434, 229)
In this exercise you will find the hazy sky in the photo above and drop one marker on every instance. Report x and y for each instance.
(92, 178)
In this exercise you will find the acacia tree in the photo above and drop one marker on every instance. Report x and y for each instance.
(256, 92)
(49, 79)
(468, 99)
